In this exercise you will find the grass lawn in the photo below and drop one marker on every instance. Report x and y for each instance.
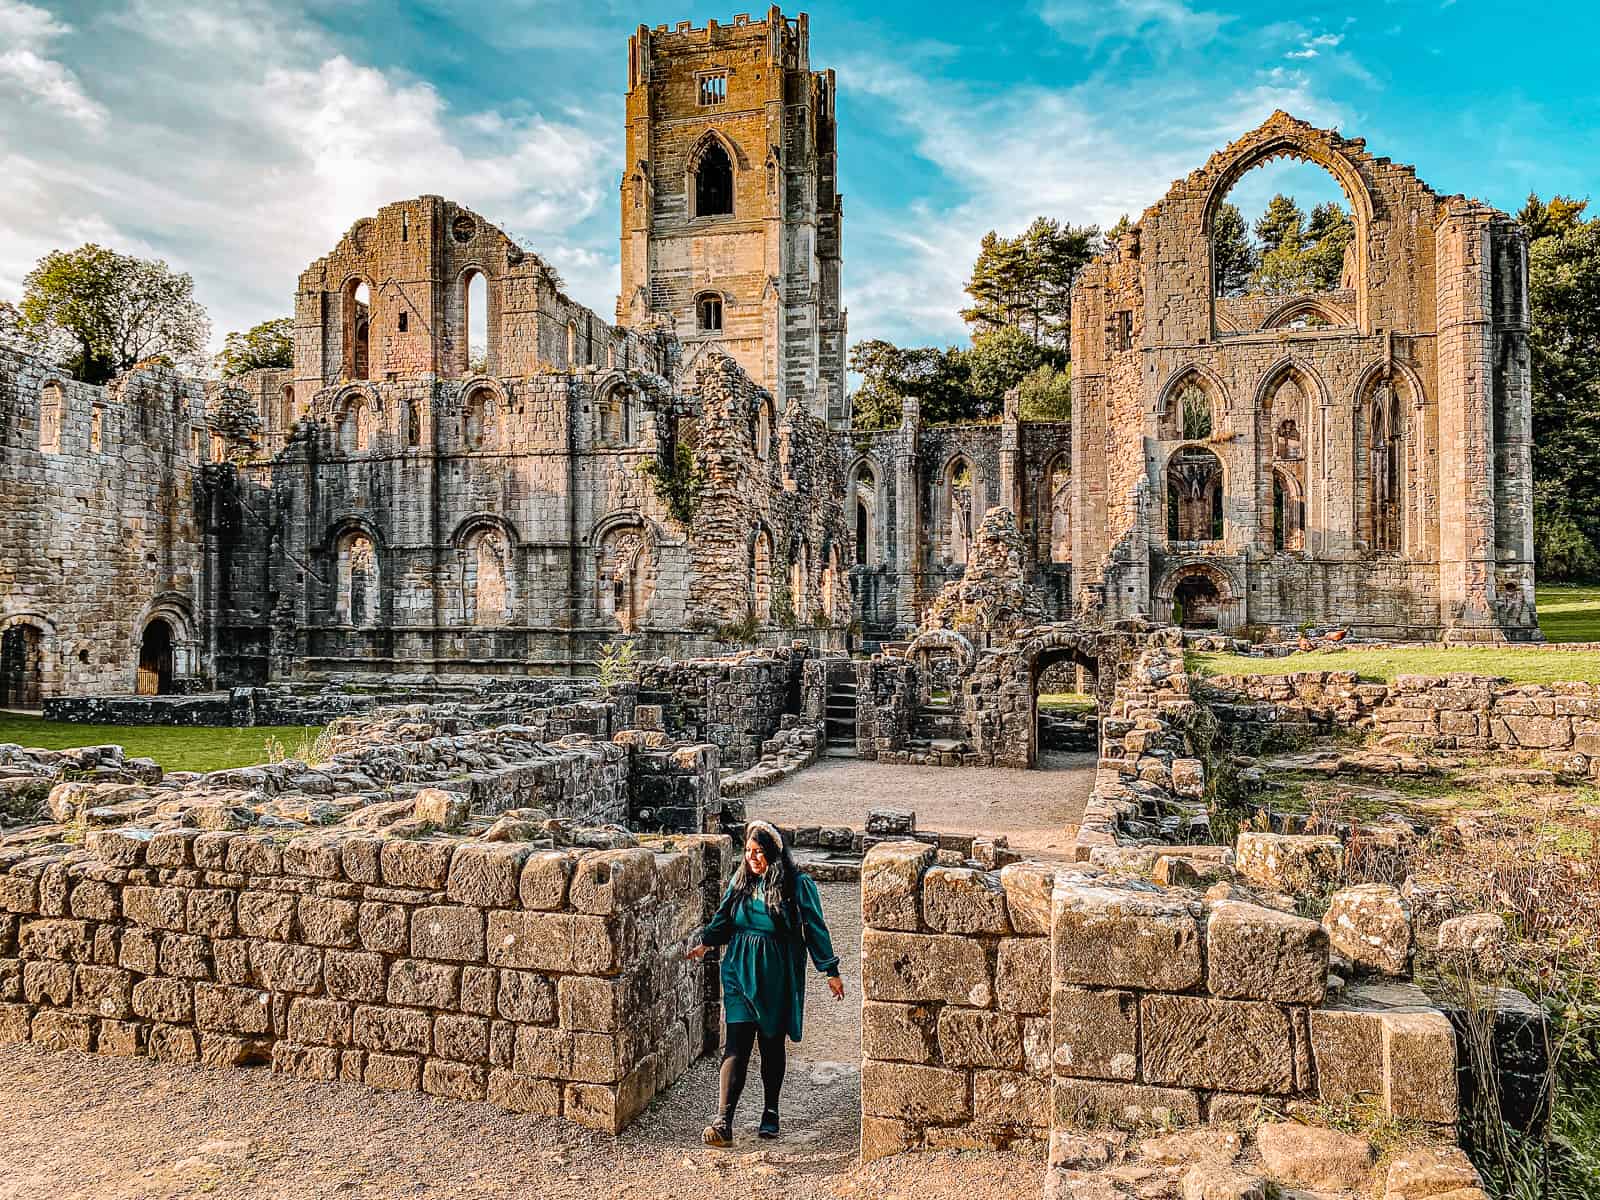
(1569, 614)
(175, 747)
(1066, 702)
(1521, 666)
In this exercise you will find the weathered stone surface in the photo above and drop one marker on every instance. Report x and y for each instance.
(1475, 944)
(891, 883)
(920, 1094)
(1115, 936)
(963, 900)
(1028, 887)
(1419, 1066)
(971, 1037)
(1432, 1173)
(1262, 954)
(1300, 864)
(898, 1032)
(1022, 975)
(1370, 924)
(1208, 1181)
(1095, 1033)
(1230, 1045)
(910, 967)
(1089, 1102)
(1312, 1157)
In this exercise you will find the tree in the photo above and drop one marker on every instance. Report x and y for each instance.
(938, 379)
(1564, 294)
(1233, 257)
(1045, 394)
(269, 344)
(1282, 225)
(114, 309)
(999, 361)
(1330, 231)
(1026, 281)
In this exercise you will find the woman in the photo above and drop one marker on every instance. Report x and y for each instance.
(769, 919)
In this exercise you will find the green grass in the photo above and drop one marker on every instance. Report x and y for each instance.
(1529, 665)
(1569, 614)
(176, 748)
(1067, 702)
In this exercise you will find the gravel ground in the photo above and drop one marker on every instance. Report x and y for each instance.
(118, 1129)
(1029, 807)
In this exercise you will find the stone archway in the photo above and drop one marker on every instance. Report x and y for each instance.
(157, 659)
(21, 666)
(1200, 595)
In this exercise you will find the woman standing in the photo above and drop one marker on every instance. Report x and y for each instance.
(770, 918)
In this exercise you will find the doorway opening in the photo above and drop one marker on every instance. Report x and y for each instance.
(22, 667)
(156, 659)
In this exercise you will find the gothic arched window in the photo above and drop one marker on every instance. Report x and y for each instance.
(713, 183)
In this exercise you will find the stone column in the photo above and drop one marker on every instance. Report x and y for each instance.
(907, 520)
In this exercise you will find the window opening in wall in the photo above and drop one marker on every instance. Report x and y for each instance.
(358, 313)
(960, 490)
(713, 183)
(1288, 516)
(1195, 407)
(475, 323)
(862, 524)
(572, 344)
(404, 323)
(286, 413)
(1196, 602)
(1124, 330)
(1283, 229)
(708, 312)
(405, 226)
(762, 430)
(97, 418)
(1059, 486)
(1194, 496)
(356, 600)
(21, 666)
(353, 427)
(479, 420)
(51, 406)
(713, 88)
(1384, 446)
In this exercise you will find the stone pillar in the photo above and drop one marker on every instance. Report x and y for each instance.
(1466, 425)
(907, 521)
(1010, 484)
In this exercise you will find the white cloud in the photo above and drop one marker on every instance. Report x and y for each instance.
(244, 144)
(1314, 46)
(1090, 22)
(27, 72)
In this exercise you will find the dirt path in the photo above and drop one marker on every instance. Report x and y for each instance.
(119, 1129)
(1030, 807)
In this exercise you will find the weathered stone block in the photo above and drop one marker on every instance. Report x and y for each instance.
(328, 922)
(607, 881)
(1231, 1045)
(963, 900)
(587, 1003)
(450, 932)
(1475, 944)
(232, 1009)
(1262, 954)
(319, 1022)
(1347, 1048)
(1095, 1033)
(104, 991)
(266, 915)
(393, 1072)
(1028, 887)
(210, 912)
(1294, 863)
(1109, 935)
(1311, 1157)
(973, 1037)
(486, 874)
(925, 967)
(891, 882)
(462, 1038)
(898, 1032)
(1370, 924)
(424, 984)
(919, 1094)
(354, 975)
(1419, 1067)
(544, 879)
(1077, 1103)
(524, 1093)
(393, 1029)
(408, 864)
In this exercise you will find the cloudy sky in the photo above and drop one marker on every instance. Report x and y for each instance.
(238, 139)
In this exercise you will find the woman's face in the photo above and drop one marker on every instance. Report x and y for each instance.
(755, 858)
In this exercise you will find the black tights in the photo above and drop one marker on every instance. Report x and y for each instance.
(740, 1039)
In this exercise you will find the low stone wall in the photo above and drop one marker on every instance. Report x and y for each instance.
(546, 980)
(736, 703)
(955, 1030)
(1451, 712)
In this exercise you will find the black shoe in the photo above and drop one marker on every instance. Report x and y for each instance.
(769, 1124)
(719, 1133)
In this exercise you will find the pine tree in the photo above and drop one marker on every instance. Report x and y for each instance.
(1233, 258)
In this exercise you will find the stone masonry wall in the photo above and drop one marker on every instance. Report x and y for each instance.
(546, 981)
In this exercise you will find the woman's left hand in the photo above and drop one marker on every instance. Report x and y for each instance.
(836, 986)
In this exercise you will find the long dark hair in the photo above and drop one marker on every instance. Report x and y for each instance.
(779, 879)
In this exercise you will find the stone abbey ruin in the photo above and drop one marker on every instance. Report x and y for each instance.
(483, 887)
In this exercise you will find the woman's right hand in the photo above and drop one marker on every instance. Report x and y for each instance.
(697, 953)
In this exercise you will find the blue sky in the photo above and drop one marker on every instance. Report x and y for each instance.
(239, 138)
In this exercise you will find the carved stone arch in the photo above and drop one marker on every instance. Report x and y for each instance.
(1170, 421)
(1389, 457)
(1209, 595)
(731, 148)
(355, 327)
(358, 554)
(1302, 145)
(1195, 488)
(163, 643)
(619, 409)
(624, 546)
(762, 557)
(866, 511)
(713, 195)
(29, 658)
(485, 409)
(1334, 315)
(1053, 515)
(486, 545)
(1374, 371)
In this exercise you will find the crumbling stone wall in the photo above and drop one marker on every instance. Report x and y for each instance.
(735, 703)
(546, 981)
(1430, 325)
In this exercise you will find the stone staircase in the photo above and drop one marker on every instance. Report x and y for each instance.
(841, 716)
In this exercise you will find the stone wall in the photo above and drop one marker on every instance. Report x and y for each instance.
(736, 703)
(549, 981)
(955, 1027)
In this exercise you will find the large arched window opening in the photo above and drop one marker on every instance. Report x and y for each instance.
(475, 323)
(480, 422)
(1058, 510)
(618, 415)
(1288, 514)
(356, 596)
(626, 576)
(1194, 496)
(800, 581)
(713, 182)
(1284, 227)
(1383, 460)
(761, 576)
(354, 426)
(357, 329)
(486, 598)
(708, 313)
(1189, 410)
(961, 508)
(761, 428)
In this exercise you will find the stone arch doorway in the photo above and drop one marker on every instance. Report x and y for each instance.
(21, 666)
(1067, 677)
(1196, 602)
(157, 658)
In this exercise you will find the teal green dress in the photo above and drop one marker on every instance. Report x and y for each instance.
(763, 967)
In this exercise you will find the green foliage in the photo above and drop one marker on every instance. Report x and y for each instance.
(102, 312)
(1569, 614)
(1232, 253)
(1001, 359)
(742, 631)
(1046, 394)
(1025, 282)
(1297, 255)
(617, 662)
(938, 379)
(1196, 414)
(175, 747)
(1282, 225)
(267, 345)
(677, 481)
(1564, 293)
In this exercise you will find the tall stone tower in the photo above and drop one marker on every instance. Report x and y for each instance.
(730, 206)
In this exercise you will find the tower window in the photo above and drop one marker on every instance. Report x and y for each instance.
(708, 314)
(714, 88)
(403, 322)
(713, 183)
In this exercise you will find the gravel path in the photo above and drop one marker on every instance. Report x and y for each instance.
(1030, 807)
(118, 1129)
